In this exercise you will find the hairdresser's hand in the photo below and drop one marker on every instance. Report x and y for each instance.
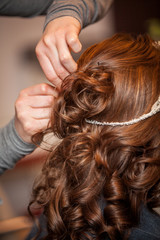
(33, 108)
(54, 49)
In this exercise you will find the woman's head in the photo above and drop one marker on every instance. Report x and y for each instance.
(117, 80)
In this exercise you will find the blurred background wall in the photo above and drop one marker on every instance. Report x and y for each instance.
(19, 69)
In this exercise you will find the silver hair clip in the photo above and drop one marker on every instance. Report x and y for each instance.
(155, 109)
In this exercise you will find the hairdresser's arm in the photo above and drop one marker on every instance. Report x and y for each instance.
(62, 27)
(86, 11)
(12, 147)
(24, 8)
(33, 108)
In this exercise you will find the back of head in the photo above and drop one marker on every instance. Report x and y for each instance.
(121, 77)
(117, 80)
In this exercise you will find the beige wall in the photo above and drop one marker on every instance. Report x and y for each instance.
(16, 35)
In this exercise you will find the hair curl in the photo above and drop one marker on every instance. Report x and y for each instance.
(117, 80)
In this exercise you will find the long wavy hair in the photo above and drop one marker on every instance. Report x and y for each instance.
(116, 80)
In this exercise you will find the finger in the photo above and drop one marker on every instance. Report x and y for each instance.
(65, 56)
(56, 61)
(39, 101)
(40, 113)
(48, 68)
(39, 89)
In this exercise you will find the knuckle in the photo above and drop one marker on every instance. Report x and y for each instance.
(61, 72)
(22, 117)
(19, 103)
(44, 87)
(51, 77)
(47, 40)
(72, 40)
(38, 50)
(28, 126)
(64, 58)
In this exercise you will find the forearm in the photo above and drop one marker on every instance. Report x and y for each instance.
(85, 11)
(24, 8)
(12, 147)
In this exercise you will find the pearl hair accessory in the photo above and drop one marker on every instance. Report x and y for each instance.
(155, 109)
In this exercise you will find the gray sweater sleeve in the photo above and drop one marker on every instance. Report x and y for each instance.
(24, 8)
(12, 147)
(85, 11)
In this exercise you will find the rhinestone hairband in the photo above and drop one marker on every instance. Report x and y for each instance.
(155, 109)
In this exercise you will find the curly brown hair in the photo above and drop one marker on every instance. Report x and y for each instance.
(116, 80)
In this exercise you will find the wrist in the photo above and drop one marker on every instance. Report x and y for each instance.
(24, 136)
